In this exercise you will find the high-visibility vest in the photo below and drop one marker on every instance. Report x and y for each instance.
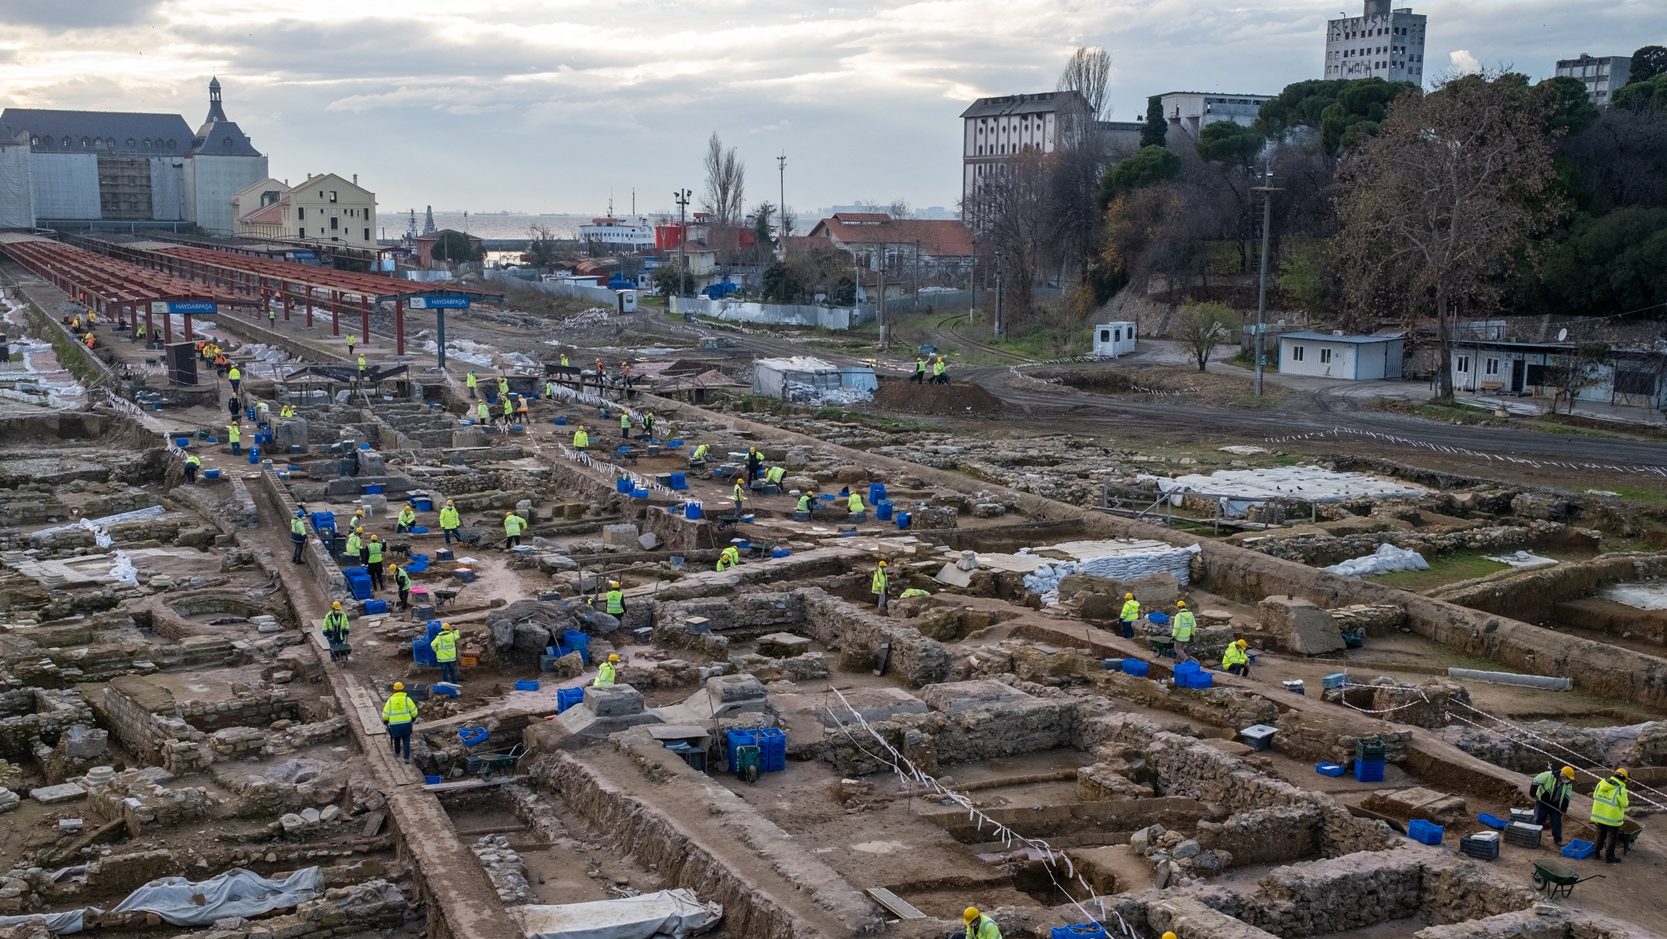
(877, 583)
(702, 450)
(192, 460)
(509, 407)
(1185, 623)
(335, 621)
(448, 517)
(804, 503)
(375, 548)
(235, 374)
(625, 421)
(854, 503)
(481, 411)
(471, 381)
(401, 579)
(938, 367)
(297, 528)
(730, 557)
(581, 440)
(407, 517)
(1609, 802)
(983, 928)
(400, 709)
(233, 434)
(605, 675)
(1131, 611)
(740, 493)
(513, 524)
(775, 475)
(361, 363)
(444, 646)
(616, 601)
(354, 545)
(1233, 655)
(503, 386)
(920, 366)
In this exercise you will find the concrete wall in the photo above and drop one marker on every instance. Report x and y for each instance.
(774, 314)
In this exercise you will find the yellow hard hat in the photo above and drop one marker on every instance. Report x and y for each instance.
(1128, 596)
(508, 514)
(448, 626)
(376, 537)
(613, 583)
(1623, 773)
(399, 686)
(1170, 935)
(882, 564)
(1181, 603)
(336, 605)
(1241, 644)
(1568, 772)
(969, 914)
(613, 656)
(450, 502)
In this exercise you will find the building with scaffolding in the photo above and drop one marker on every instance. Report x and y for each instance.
(110, 169)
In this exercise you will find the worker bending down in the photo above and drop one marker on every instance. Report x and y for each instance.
(608, 672)
(979, 926)
(1234, 660)
(1551, 792)
(728, 558)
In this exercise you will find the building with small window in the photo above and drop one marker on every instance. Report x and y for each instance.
(325, 209)
(995, 130)
(1192, 111)
(1602, 76)
(610, 234)
(150, 170)
(1380, 43)
(1622, 377)
(1114, 339)
(1335, 355)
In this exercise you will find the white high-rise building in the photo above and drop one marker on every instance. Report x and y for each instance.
(1380, 43)
(1602, 76)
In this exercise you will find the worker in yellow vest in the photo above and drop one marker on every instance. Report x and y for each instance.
(854, 503)
(335, 631)
(192, 465)
(444, 645)
(407, 519)
(1609, 805)
(373, 561)
(513, 526)
(298, 534)
(615, 599)
(1181, 630)
(398, 714)
(235, 376)
(739, 494)
(608, 672)
(471, 382)
(879, 584)
(234, 436)
(1129, 613)
(402, 583)
(728, 558)
(581, 438)
(1234, 659)
(482, 415)
(450, 522)
(978, 925)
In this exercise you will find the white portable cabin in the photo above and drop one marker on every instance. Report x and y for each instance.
(1114, 339)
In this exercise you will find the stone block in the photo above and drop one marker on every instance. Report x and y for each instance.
(783, 645)
(620, 536)
(53, 795)
(614, 701)
(1300, 626)
(732, 694)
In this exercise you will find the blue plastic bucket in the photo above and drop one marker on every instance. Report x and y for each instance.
(254, 454)
(882, 510)
(679, 481)
(691, 510)
(903, 519)
(876, 493)
(211, 474)
(623, 485)
(639, 493)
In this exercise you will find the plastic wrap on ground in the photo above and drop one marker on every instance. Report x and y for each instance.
(675, 913)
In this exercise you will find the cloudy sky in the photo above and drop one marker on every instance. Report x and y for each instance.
(546, 106)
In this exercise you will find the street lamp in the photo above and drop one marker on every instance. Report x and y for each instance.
(682, 197)
(1267, 189)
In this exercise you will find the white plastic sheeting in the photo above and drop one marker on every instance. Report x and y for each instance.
(1240, 489)
(1177, 562)
(1650, 595)
(17, 189)
(675, 913)
(236, 893)
(1387, 559)
(1521, 560)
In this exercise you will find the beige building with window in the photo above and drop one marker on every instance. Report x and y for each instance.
(324, 209)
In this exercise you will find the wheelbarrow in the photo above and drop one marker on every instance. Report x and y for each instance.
(1630, 830)
(748, 758)
(1555, 880)
(1355, 638)
(487, 765)
(1162, 645)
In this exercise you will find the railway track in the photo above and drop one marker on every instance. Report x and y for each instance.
(946, 327)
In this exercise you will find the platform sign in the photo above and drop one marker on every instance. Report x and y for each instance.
(440, 302)
(186, 306)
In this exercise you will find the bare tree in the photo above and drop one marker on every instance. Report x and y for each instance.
(726, 183)
(1088, 73)
(788, 220)
(1015, 224)
(900, 208)
(1441, 205)
(1574, 371)
(1203, 326)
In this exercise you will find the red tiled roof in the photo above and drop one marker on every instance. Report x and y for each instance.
(269, 214)
(937, 238)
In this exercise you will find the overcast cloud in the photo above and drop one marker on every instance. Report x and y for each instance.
(546, 106)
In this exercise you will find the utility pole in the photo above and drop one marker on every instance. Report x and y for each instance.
(781, 206)
(682, 197)
(997, 330)
(1267, 189)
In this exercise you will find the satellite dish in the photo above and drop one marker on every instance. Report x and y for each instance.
(1562, 334)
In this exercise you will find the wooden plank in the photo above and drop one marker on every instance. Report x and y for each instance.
(899, 907)
(464, 785)
(368, 709)
(373, 823)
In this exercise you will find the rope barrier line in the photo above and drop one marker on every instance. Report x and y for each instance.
(1335, 432)
(1554, 757)
(1577, 756)
(1423, 698)
(910, 776)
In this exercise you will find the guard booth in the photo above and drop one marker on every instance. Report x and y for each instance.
(625, 301)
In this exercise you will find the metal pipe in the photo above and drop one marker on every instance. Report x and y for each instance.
(1545, 682)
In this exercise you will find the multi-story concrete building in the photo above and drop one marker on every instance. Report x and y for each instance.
(1192, 111)
(87, 167)
(1381, 43)
(324, 209)
(1602, 76)
(995, 130)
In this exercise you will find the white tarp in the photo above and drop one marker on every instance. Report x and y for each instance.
(237, 892)
(1387, 559)
(674, 913)
(1237, 490)
(1521, 560)
(1649, 595)
(1130, 565)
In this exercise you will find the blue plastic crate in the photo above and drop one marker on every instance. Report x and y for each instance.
(360, 588)
(1493, 821)
(1334, 680)
(526, 684)
(1078, 931)
(1330, 769)
(574, 640)
(1135, 667)
(376, 607)
(1368, 770)
(1579, 849)
(1187, 668)
(1425, 832)
(772, 745)
(734, 739)
(1198, 680)
(567, 697)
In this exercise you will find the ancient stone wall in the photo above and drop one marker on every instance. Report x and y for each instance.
(28, 714)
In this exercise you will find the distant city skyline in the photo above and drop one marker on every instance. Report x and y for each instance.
(546, 107)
